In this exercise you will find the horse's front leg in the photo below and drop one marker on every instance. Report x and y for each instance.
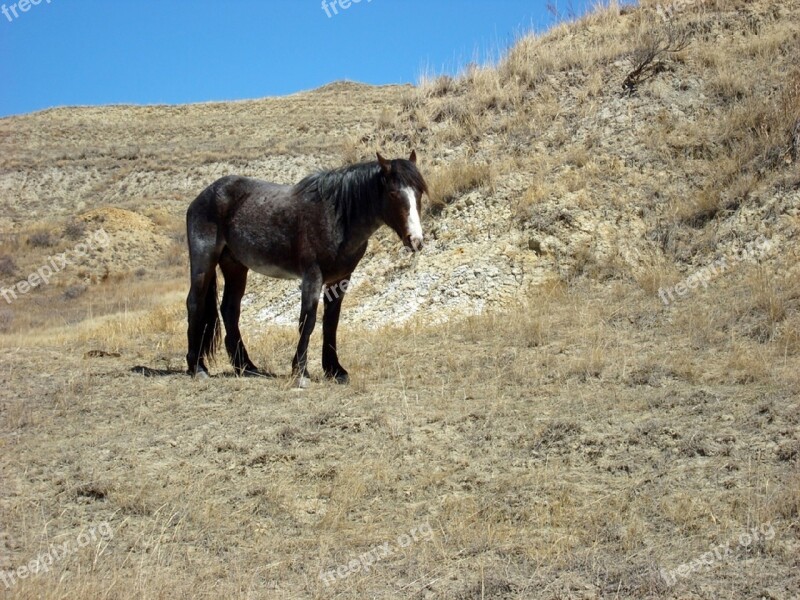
(334, 294)
(311, 290)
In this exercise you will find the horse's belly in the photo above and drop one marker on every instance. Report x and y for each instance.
(268, 260)
(274, 271)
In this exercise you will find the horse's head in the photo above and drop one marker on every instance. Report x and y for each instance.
(402, 203)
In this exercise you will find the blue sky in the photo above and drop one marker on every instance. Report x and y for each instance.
(89, 52)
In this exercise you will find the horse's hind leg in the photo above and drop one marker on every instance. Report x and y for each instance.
(235, 274)
(201, 305)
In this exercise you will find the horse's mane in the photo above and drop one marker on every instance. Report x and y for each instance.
(356, 190)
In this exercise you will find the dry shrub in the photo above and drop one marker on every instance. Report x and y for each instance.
(42, 239)
(596, 39)
(656, 44)
(532, 325)
(74, 291)
(764, 299)
(75, 230)
(8, 268)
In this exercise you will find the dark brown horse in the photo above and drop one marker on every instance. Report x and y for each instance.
(316, 231)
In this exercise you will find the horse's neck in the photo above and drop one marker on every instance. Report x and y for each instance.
(360, 231)
(366, 221)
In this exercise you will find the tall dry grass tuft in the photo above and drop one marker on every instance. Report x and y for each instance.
(450, 182)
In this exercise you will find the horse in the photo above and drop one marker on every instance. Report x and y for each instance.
(316, 231)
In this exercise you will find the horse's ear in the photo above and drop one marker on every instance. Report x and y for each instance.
(413, 157)
(386, 165)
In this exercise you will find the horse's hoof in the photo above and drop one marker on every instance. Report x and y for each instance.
(338, 375)
(302, 383)
(201, 375)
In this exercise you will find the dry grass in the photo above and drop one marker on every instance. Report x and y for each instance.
(544, 446)
(753, 137)
(532, 197)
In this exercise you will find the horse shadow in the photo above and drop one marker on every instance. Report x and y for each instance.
(151, 372)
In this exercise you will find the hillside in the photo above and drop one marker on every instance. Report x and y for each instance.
(587, 380)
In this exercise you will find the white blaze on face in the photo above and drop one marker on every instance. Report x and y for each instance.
(414, 226)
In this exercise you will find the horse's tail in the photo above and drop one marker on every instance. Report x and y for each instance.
(205, 245)
(209, 341)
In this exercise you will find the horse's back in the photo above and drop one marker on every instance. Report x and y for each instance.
(238, 187)
(249, 185)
